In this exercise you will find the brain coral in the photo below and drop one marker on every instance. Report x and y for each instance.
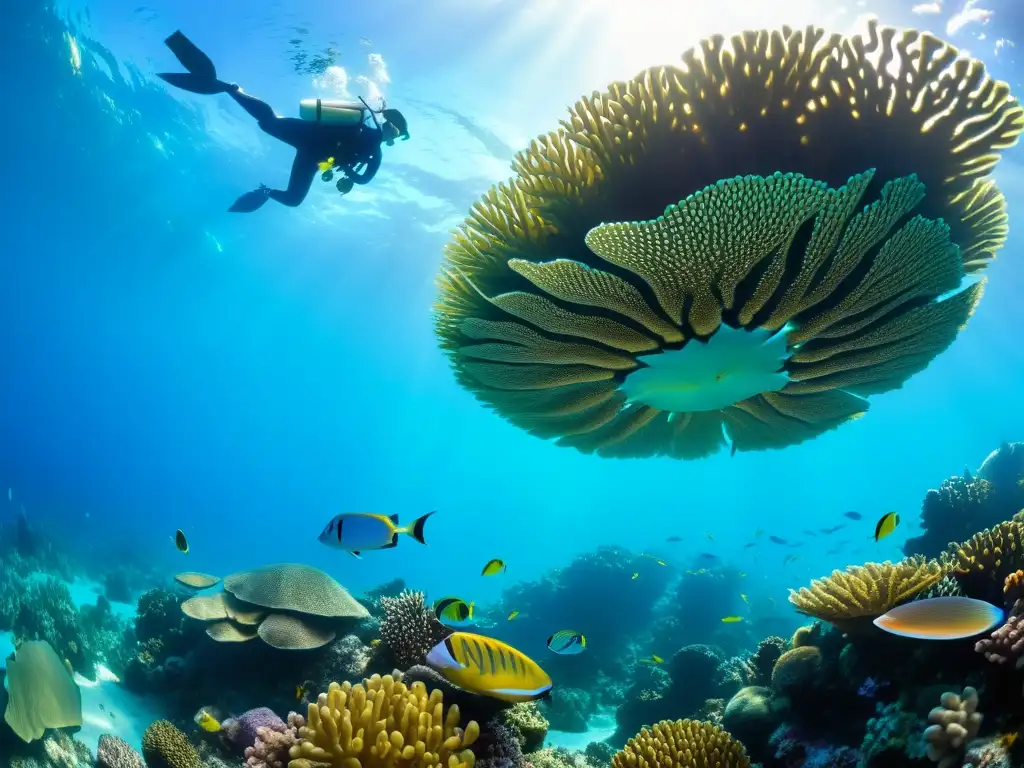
(800, 264)
(164, 746)
(682, 744)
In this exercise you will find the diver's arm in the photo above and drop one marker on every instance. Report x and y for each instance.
(304, 169)
(372, 164)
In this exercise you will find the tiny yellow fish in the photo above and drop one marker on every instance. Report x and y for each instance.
(207, 722)
(732, 619)
(759, 532)
(744, 598)
(710, 537)
(636, 575)
(1008, 739)
(375, 642)
(660, 562)
(886, 525)
(300, 692)
(653, 660)
(513, 615)
(327, 164)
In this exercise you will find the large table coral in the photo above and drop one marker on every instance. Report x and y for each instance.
(723, 252)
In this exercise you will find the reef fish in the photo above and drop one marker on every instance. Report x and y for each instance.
(777, 540)
(941, 618)
(853, 515)
(653, 660)
(494, 567)
(180, 541)
(513, 615)
(565, 642)
(452, 610)
(206, 721)
(489, 667)
(886, 525)
(732, 619)
(358, 531)
(833, 529)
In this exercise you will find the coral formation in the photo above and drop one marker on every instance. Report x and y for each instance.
(680, 744)
(114, 752)
(165, 746)
(409, 628)
(359, 725)
(529, 725)
(48, 613)
(242, 730)
(953, 724)
(954, 511)
(271, 745)
(796, 670)
(865, 591)
(750, 716)
(499, 747)
(983, 562)
(568, 709)
(566, 307)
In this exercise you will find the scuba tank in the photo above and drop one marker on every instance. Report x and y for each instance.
(332, 112)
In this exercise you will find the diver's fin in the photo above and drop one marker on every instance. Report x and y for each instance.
(249, 202)
(193, 84)
(191, 58)
(201, 76)
(416, 529)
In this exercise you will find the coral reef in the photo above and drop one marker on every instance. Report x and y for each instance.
(955, 722)
(599, 754)
(750, 716)
(243, 730)
(366, 721)
(165, 746)
(865, 592)
(797, 670)
(529, 725)
(48, 613)
(983, 562)
(682, 743)
(696, 606)
(499, 747)
(409, 628)
(568, 709)
(271, 745)
(115, 752)
(955, 511)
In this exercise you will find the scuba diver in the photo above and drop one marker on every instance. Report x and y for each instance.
(327, 135)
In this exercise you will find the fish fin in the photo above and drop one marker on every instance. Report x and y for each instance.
(393, 544)
(416, 529)
(355, 555)
(393, 518)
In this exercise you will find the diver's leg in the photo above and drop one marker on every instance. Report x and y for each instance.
(304, 169)
(257, 108)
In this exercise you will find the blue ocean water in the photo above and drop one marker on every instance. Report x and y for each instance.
(168, 365)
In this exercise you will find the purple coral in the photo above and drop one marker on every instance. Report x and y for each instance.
(870, 687)
(499, 747)
(796, 752)
(270, 748)
(242, 730)
(1005, 643)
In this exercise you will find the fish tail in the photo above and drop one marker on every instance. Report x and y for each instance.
(416, 529)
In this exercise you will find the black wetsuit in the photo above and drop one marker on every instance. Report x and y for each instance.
(351, 146)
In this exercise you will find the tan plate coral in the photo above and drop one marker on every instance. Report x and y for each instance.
(723, 252)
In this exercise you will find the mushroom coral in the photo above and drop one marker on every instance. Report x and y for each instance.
(865, 591)
(766, 301)
(682, 744)
(382, 723)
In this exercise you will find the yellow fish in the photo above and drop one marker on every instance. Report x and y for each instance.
(886, 525)
(732, 619)
(653, 660)
(513, 615)
(494, 567)
(300, 692)
(453, 610)
(181, 542)
(206, 721)
(489, 667)
(375, 642)
(744, 598)
(636, 575)
(660, 562)
(326, 165)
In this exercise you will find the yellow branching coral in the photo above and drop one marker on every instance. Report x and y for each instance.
(383, 723)
(682, 744)
(865, 591)
(722, 252)
(997, 551)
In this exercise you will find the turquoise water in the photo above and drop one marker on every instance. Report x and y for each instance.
(168, 365)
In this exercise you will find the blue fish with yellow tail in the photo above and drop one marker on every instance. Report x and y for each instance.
(356, 532)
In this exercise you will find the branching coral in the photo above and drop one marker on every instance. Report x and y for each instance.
(952, 724)
(682, 744)
(1006, 643)
(115, 752)
(530, 726)
(865, 591)
(777, 290)
(952, 512)
(409, 628)
(383, 723)
(983, 562)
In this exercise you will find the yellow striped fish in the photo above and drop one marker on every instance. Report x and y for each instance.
(489, 667)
